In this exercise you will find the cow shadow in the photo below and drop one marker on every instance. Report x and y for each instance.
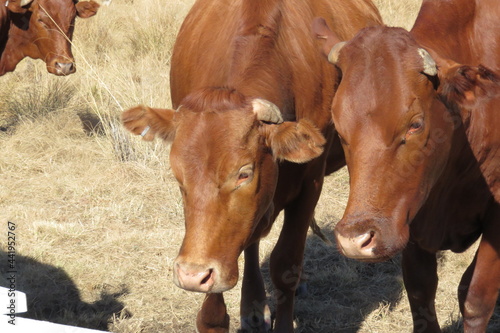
(52, 295)
(340, 292)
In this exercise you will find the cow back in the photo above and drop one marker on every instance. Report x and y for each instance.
(469, 29)
(264, 49)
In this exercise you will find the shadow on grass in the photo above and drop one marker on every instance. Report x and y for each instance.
(53, 296)
(341, 292)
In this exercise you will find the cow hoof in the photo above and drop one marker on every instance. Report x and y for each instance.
(212, 330)
(257, 322)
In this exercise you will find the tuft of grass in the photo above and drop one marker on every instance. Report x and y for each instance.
(38, 100)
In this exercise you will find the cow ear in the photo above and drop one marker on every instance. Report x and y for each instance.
(467, 86)
(148, 122)
(326, 36)
(297, 142)
(86, 9)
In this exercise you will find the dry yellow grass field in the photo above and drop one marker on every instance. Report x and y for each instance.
(98, 214)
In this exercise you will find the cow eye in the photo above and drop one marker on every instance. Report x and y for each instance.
(415, 127)
(183, 191)
(342, 140)
(245, 175)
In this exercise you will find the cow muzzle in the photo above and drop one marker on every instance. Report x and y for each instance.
(370, 240)
(194, 278)
(61, 67)
(205, 278)
(360, 247)
(64, 68)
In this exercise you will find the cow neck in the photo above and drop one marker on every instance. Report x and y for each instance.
(256, 69)
(12, 42)
(460, 195)
(430, 29)
(4, 34)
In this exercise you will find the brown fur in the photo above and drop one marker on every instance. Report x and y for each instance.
(423, 152)
(41, 30)
(227, 164)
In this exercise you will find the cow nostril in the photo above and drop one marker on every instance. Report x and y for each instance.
(367, 238)
(360, 246)
(194, 278)
(207, 278)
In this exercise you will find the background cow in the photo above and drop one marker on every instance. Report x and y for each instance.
(252, 96)
(422, 179)
(40, 29)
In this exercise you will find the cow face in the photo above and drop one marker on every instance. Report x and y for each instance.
(43, 29)
(395, 133)
(224, 157)
(395, 130)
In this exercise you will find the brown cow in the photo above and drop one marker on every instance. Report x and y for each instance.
(421, 178)
(252, 96)
(40, 29)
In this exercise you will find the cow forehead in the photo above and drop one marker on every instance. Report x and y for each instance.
(380, 75)
(383, 54)
(215, 142)
(58, 8)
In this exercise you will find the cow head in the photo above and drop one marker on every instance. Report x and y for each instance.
(224, 155)
(395, 130)
(43, 29)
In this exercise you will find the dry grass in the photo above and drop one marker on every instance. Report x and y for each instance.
(98, 214)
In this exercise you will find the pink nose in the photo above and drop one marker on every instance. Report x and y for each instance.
(359, 247)
(64, 68)
(194, 278)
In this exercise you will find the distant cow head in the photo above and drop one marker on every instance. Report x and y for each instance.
(43, 29)
(395, 130)
(224, 155)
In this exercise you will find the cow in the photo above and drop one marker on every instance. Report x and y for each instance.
(40, 29)
(251, 136)
(417, 113)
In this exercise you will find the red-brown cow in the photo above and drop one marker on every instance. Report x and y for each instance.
(421, 178)
(40, 29)
(252, 96)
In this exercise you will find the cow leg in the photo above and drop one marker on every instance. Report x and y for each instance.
(478, 290)
(420, 278)
(286, 258)
(254, 310)
(213, 317)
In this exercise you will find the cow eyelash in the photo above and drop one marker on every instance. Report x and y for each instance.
(415, 126)
(183, 191)
(342, 140)
(245, 175)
